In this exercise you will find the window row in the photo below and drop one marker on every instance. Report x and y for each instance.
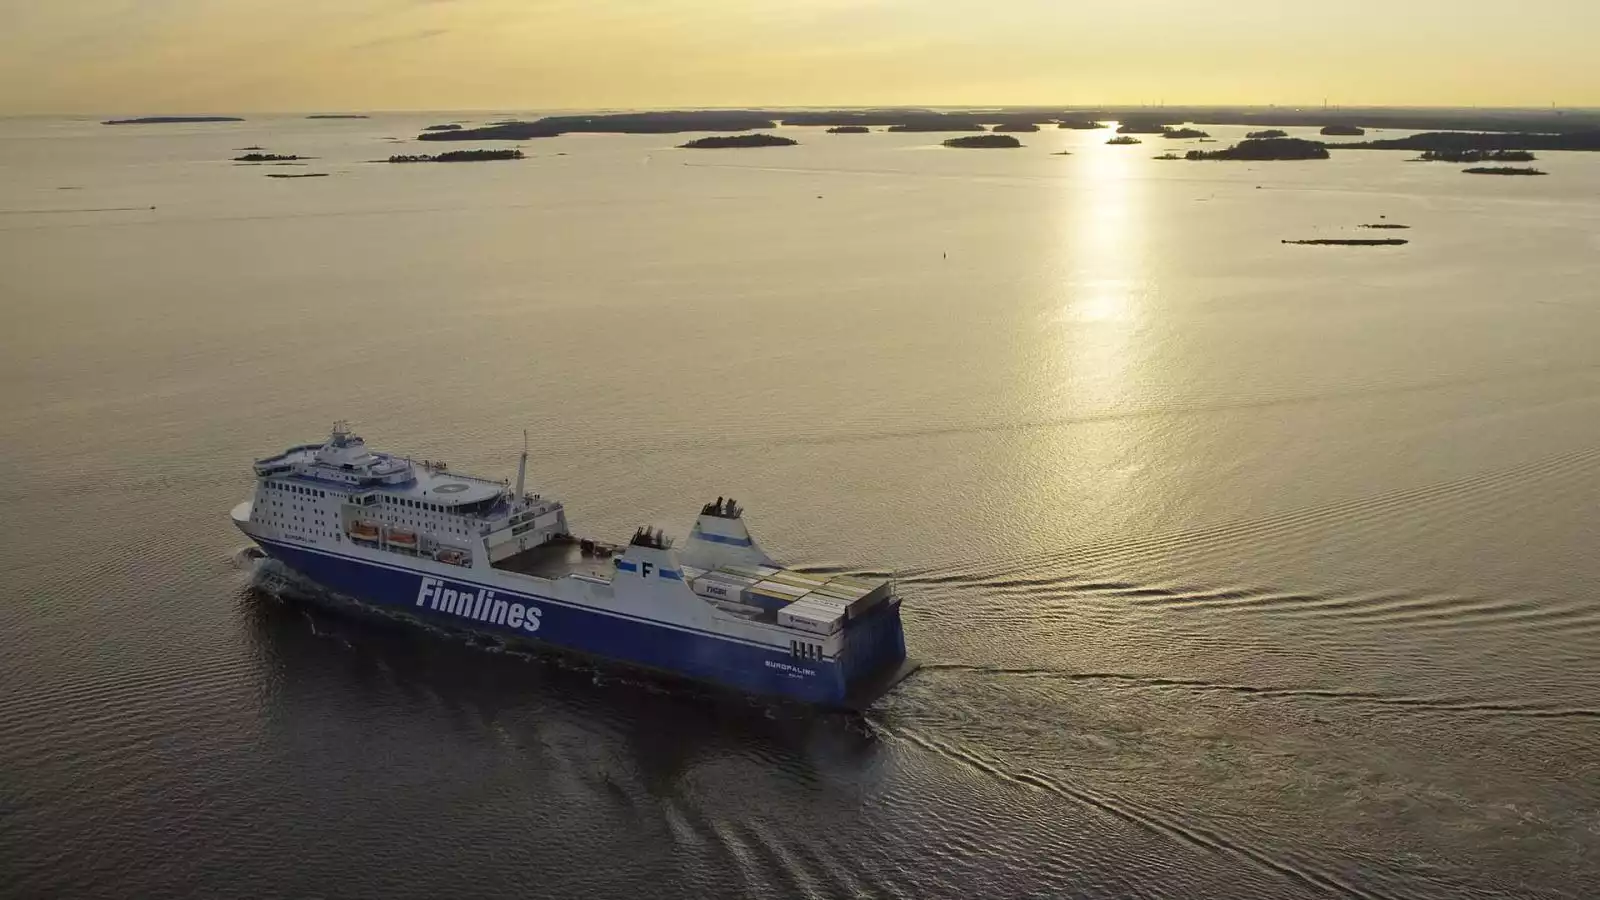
(417, 504)
(287, 488)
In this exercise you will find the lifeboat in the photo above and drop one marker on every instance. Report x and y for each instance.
(400, 537)
(362, 531)
(453, 557)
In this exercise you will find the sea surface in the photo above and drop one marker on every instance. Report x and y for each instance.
(1238, 569)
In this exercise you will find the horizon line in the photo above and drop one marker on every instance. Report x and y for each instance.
(1085, 107)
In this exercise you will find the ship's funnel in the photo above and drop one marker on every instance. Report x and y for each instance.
(720, 538)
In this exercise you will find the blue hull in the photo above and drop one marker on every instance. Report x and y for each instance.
(877, 646)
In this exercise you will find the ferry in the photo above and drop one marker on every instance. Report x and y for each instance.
(481, 555)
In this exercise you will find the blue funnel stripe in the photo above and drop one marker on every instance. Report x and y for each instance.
(719, 539)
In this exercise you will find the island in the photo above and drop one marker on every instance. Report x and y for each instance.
(720, 142)
(297, 175)
(1386, 225)
(1168, 156)
(1460, 141)
(938, 123)
(672, 122)
(1269, 133)
(1468, 140)
(1343, 130)
(507, 131)
(1475, 156)
(895, 119)
(1124, 140)
(170, 120)
(338, 116)
(849, 129)
(1503, 170)
(268, 157)
(1352, 242)
(1016, 127)
(662, 122)
(451, 126)
(1080, 124)
(459, 156)
(1184, 133)
(983, 140)
(1143, 127)
(1265, 149)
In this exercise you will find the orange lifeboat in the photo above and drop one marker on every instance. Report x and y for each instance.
(362, 531)
(400, 537)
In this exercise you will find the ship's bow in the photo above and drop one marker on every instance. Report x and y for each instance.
(241, 517)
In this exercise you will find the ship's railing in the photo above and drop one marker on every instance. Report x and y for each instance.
(275, 463)
(439, 468)
(302, 448)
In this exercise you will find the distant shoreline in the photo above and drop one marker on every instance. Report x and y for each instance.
(1503, 119)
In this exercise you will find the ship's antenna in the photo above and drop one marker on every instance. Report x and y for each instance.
(522, 465)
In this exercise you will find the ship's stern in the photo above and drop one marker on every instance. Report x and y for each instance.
(873, 658)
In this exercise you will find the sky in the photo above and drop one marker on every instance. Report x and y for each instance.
(221, 56)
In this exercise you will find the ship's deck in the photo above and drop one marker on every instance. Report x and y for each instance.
(558, 560)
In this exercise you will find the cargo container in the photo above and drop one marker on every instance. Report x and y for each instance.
(771, 596)
(820, 601)
(776, 587)
(852, 581)
(854, 602)
(808, 617)
(739, 609)
(798, 579)
(843, 591)
(721, 585)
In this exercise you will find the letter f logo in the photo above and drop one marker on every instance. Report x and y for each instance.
(644, 569)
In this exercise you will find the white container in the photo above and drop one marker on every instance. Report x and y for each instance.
(770, 596)
(843, 591)
(720, 586)
(793, 592)
(809, 618)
